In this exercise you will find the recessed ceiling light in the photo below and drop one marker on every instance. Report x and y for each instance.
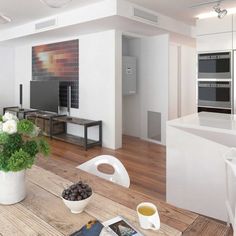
(4, 19)
(55, 3)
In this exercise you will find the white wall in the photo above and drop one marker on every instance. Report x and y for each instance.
(152, 85)
(23, 73)
(154, 71)
(166, 81)
(174, 81)
(183, 40)
(99, 99)
(188, 80)
(7, 96)
(182, 80)
(118, 89)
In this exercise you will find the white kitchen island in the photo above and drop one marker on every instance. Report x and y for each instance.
(196, 146)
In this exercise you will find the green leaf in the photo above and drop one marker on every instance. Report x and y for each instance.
(31, 148)
(20, 160)
(3, 138)
(3, 163)
(25, 127)
(43, 147)
(13, 144)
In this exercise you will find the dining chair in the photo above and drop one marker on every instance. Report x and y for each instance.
(231, 192)
(120, 175)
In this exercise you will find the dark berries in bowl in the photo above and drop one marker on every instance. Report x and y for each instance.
(77, 192)
(77, 196)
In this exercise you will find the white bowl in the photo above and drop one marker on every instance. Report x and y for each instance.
(77, 206)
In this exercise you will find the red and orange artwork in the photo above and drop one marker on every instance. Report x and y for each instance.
(56, 61)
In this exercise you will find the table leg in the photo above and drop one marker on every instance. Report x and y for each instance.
(50, 127)
(100, 134)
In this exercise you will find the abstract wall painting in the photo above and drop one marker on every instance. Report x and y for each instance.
(58, 61)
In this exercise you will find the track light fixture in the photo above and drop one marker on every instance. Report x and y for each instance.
(4, 19)
(56, 3)
(221, 12)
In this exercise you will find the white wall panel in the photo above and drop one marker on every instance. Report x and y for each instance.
(173, 81)
(182, 81)
(188, 80)
(7, 96)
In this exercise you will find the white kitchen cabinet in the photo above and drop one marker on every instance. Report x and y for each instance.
(129, 75)
(214, 25)
(215, 42)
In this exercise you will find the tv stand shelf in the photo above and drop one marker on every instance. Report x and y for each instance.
(44, 121)
(69, 138)
(55, 127)
(81, 141)
(21, 113)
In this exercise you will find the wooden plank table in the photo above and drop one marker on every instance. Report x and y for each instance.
(44, 213)
(189, 223)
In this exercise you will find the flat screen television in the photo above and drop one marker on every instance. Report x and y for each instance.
(44, 95)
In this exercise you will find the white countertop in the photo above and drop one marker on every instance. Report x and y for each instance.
(217, 122)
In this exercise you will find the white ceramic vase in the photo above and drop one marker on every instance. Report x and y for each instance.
(12, 187)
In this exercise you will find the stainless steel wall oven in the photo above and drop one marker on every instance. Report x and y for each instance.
(214, 94)
(214, 65)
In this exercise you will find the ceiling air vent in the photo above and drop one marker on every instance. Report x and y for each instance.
(144, 15)
(46, 24)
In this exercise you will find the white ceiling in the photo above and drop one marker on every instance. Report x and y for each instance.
(180, 9)
(23, 11)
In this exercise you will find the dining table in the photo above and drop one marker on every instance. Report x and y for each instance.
(43, 212)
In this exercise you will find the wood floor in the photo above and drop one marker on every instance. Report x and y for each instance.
(144, 161)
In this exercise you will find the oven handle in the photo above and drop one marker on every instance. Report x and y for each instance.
(214, 80)
(216, 86)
